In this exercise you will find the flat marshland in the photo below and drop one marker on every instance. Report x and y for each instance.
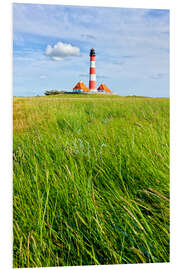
(90, 180)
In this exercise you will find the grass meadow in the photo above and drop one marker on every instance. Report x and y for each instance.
(90, 180)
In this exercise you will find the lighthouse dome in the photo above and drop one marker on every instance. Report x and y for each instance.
(92, 52)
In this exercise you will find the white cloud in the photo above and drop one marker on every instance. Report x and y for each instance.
(61, 50)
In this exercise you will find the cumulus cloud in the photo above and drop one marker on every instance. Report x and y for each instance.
(61, 50)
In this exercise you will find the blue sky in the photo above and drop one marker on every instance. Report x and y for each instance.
(51, 46)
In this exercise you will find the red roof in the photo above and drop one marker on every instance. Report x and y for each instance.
(82, 86)
(103, 87)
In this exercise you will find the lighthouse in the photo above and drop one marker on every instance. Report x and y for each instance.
(92, 72)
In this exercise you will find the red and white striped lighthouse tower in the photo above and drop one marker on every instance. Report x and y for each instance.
(92, 72)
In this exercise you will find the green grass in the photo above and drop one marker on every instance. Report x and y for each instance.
(90, 181)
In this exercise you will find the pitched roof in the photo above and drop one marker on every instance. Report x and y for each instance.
(103, 87)
(81, 85)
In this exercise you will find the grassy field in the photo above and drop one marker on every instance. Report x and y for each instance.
(90, 180)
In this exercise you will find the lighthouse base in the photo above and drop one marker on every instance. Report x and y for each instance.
(93, 91)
